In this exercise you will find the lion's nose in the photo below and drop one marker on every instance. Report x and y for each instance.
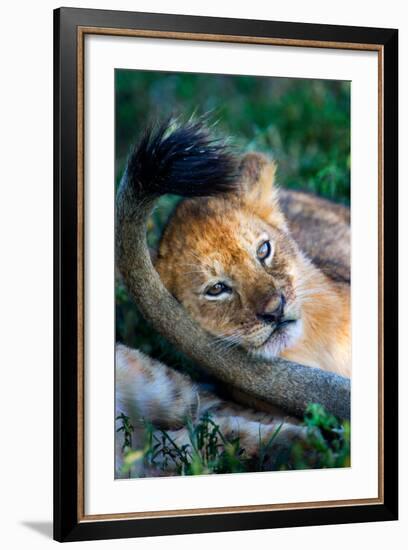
(273, 311)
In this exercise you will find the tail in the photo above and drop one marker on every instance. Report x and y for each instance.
(182, 160)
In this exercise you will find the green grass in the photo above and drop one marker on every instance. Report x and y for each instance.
(209, 451)
(303, 124)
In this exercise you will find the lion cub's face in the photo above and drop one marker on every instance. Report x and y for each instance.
(232, 264)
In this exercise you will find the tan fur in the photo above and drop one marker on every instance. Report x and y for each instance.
(214, 239)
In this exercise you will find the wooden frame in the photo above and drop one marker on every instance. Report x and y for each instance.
(70, 28)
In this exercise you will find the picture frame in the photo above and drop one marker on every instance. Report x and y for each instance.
(71, 27)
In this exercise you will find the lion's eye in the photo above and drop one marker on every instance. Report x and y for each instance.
(217, 289)
(264, 250)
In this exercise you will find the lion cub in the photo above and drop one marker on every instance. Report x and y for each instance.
(261, 268)
(264, 272)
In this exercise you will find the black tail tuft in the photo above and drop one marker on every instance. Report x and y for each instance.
(183, 160)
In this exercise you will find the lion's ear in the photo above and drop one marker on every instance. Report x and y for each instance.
(257, 187)
(255, 168)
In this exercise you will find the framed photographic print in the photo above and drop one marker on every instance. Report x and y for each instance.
(225, 274)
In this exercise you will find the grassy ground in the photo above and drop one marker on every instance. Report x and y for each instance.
(209, 451)
(303, 124)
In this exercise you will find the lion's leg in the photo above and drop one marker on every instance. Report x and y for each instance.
(148, 390)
